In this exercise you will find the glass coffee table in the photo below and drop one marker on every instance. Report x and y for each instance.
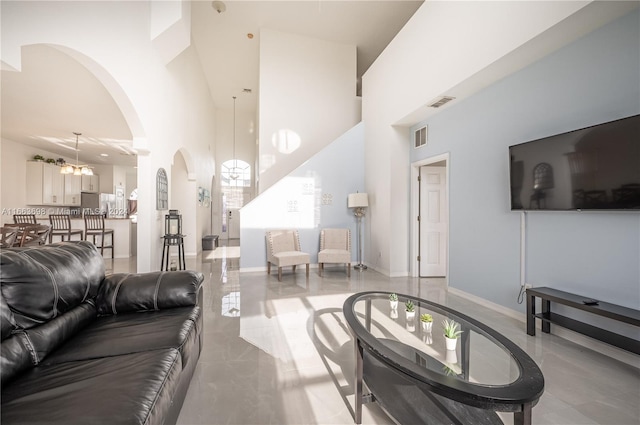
(413, 376)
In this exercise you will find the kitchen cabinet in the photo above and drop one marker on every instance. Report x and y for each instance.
(91, 183)
(72, 186)
(45, 184)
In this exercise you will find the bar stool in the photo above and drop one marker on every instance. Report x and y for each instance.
(25, 219)
(61, 226)
(94, 226)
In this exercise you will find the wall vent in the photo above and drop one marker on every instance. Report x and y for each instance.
(421, 137)
(440, 101)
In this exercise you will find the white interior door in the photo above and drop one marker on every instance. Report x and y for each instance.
(233, 221)
(433, 221)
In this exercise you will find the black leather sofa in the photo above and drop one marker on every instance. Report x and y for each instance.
(82, 348)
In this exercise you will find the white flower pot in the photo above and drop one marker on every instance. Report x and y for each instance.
(393, 314)
(393, 304)
(427, 338)
(451, 343)
(410, 315)
(451, 357)
(426, 326)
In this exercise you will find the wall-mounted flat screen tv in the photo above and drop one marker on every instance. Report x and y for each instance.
(593, 168)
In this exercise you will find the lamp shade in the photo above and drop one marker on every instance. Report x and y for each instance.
(358, 200)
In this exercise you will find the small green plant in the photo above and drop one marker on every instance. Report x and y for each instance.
(50, 161)
(425, 317)
(449, 371)
(38, 158)
(393, 297)
(409, 306)
(451, 329)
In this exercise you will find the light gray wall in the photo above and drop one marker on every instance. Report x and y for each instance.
(597, 254)
(337, 170)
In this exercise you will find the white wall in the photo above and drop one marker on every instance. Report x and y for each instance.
(165, 105)
(13, 192)
(296, 201)
(307, 87)
(444, 44)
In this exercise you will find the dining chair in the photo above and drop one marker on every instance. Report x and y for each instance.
(8, 236)
(61, 226)
(35, 235)
(94, 226)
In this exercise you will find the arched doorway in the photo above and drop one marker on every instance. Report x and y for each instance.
(235, 188)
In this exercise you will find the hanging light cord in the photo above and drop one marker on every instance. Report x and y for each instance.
(77, 135)
(235, 161)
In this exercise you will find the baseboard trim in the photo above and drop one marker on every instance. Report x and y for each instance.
(264, 268)
(489, 304)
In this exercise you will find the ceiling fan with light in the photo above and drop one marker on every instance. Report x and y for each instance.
(76, 170)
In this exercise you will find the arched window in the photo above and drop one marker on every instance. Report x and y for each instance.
(162, 190)
(235, 173)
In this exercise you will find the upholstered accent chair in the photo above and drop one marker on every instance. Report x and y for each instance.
(335, 247)
(283, 250)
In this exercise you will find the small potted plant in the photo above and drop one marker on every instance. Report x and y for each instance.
(410, 309)
(38, 158)
(451, 333)
(50, 161)
(427, 322)
(393, 301)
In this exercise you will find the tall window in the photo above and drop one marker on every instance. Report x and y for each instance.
(235, 173)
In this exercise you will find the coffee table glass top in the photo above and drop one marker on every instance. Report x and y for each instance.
(488, 363)
(485, 369)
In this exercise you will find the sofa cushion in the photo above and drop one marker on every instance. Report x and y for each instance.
(122, 293)
(44, 339)
(128, 390)
(7, 321)
(16, 358)
(134, 332)
(41, 283)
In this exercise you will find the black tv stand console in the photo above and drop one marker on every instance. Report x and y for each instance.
(611, 311)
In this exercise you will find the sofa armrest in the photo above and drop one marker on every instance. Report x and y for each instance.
(122, 292)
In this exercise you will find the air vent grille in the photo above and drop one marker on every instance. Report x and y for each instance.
(421, 137)
(440, 101)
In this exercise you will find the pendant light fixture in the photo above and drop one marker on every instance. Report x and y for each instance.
(234, 174)
(76, 170)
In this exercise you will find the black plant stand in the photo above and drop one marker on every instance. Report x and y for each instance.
(169, 241)
(173, 237)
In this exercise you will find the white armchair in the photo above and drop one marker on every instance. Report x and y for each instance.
(283, 250)
(335, 247)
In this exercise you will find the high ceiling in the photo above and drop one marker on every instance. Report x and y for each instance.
(54, 96)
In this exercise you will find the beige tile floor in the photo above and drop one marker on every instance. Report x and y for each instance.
(281, 353)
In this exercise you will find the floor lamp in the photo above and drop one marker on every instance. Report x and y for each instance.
(359, 201)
